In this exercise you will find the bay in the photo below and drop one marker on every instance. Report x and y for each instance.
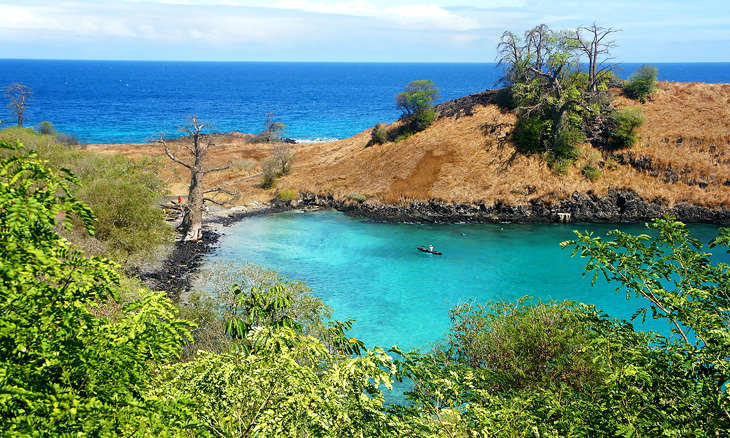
(373, 273)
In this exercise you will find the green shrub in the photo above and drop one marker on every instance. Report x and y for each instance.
(357, 197)
(625, 124)
(505, 99)
(563, 153)
(531, 134)
(66, 371)
(47, 128)
(269, 173)
(378, 135)
(642, 83)
(591, 171)
(560, 167)
(537, 345)
(123, 193)
(416, 103)
(423, 119)
(288, 195)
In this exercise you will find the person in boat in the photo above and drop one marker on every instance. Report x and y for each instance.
(430, 247)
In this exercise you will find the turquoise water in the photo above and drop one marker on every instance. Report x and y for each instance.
(372, 272)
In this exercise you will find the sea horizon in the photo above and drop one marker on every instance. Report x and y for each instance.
(133, 101)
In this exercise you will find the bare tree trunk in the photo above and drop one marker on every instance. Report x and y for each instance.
(196, 147)
(193, 220)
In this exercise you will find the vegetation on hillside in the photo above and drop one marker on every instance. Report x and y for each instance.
(416, 104)
(124, 193)
(642, 83)
(556, 101)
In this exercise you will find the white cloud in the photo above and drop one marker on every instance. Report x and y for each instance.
(430, 15)
(356, 8)
(409, 15)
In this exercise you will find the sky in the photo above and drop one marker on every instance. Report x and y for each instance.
(349, 30)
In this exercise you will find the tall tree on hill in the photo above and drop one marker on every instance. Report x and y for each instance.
(195, 144)
(539, 68)
(19, 96)
(553, 96)
(591, 40)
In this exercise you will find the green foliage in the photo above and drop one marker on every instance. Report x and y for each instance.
(47, 128)
(416, 104)
(359, 197)
(524, 345)
(64, 371)
(285, 385)
(626, 122)
(554, 98)
(417, 96)
(269, 173)
(591, 171)
(287, 195)
(378, 135)
(531, 134)
(218, 304)
(123, 193)
(676, 281)
(642, 83)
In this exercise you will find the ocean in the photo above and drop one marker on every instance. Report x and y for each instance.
(136, 101)
(373, 273)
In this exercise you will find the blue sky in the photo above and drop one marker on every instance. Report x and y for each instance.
(349, 30)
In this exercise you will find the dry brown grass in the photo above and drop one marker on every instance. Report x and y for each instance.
(687, 132)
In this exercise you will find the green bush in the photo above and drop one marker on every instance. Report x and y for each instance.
(357, 197)
(288, 195)
(47, 128)
(538, 345)
(642, 83)
(66, 371)
(423, 119)
(416, 103)
(531, 134)
(378, 135)
(591, 171)
(123, 193)
(625, 123)
(269, 172)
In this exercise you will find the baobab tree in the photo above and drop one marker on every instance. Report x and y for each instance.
(194, 146)
(591, 40)
(19, 96)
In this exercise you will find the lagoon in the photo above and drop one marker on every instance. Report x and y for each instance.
(373, 273)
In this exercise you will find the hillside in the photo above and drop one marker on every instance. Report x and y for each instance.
(683, 157)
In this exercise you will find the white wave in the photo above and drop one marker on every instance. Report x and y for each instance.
(315, 140)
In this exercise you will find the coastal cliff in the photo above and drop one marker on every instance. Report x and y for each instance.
(465, 168)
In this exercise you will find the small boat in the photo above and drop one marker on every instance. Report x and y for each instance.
(431, 251)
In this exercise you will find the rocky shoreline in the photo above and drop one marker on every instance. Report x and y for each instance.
(617, 207)
(180, 268)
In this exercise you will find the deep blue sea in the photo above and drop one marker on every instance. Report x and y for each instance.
(133, 101)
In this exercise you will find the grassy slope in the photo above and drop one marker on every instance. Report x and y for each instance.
(686, 138)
